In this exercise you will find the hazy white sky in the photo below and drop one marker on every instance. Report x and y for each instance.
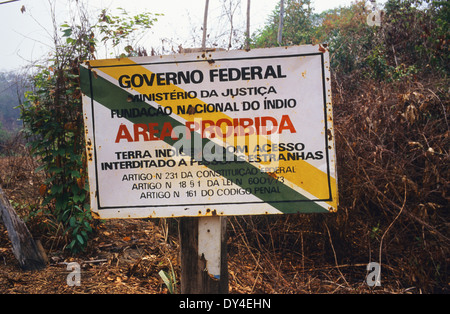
(26, 37)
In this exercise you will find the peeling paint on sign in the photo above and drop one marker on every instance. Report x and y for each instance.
(212, 133)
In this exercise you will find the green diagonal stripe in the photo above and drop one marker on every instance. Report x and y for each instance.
(113, 97)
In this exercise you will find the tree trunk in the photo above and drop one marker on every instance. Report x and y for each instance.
(24, 247)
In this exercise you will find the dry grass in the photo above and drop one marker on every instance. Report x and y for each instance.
(392, 148)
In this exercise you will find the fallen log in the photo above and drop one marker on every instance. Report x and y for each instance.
(24, 247)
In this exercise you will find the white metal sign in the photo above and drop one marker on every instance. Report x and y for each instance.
(210, 133)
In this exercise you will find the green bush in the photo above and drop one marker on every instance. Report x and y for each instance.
(412, 38)
(53, 121)
(52, 116)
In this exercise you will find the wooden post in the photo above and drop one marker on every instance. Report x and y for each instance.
(204, 268)
(24, 247)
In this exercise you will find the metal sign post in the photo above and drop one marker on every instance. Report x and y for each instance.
(210, 134)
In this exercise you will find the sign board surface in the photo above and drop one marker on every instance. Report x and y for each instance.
(210, 133)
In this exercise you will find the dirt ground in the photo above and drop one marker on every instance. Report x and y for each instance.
(125, 257)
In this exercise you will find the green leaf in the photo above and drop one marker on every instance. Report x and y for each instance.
(71, 245)
(61, 203)
(67, 32)
(165, 277)
(78, 198)
(55, 170)
(87, 226)
(41, 167)
(75, 174)
(56, 189)
(80, 239)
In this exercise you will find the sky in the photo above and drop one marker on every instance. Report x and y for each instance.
(27, 36)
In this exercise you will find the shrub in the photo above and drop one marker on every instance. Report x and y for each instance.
(53, 120)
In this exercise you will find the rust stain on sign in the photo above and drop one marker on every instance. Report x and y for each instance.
(135, 101)
(323, 48)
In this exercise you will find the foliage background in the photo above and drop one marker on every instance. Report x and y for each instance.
(391, 112)
(391, 105)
